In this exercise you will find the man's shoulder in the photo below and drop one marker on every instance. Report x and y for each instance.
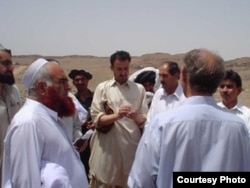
(14, 86)
(102, 85)
(198, 115)
(192, 111)
(11, 89)
(105, 83)
(13, 94)
(159, 92)
(244, 108)
(137, 85)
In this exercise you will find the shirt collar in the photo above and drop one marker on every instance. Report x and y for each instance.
(114, 82)
(51, 113)
(237, 107)
(177, 93)
(200, 100)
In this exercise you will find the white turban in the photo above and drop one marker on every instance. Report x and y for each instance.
(157, 85)
(32, 70)
(2, 47)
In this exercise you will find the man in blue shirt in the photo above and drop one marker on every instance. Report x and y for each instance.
(196, 136)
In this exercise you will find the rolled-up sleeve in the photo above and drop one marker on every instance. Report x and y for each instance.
(97, 108)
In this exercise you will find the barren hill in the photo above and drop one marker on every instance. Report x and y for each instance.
(99, 67)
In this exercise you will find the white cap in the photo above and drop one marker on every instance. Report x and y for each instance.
(32, 70)
(2, 47)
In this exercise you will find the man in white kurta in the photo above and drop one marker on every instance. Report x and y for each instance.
(42, 136)
(162, 101)
(37, 133)
(196, 136)
(170, 95)
(112, 153)
(230, 88)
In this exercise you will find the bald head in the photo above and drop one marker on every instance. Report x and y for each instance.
(205, 70)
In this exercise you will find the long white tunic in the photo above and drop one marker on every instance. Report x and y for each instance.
(74, 123)
(36, 134)
(196, 136)
(112, 154)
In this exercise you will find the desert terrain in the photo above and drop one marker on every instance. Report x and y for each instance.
(99, 68)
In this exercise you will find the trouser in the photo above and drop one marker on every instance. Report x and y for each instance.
(94, 183)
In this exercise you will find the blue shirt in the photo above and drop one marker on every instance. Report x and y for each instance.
(196, 136)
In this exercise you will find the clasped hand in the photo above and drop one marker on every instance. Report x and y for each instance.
(126, 111)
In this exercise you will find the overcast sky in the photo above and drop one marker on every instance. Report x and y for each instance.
(100, 27)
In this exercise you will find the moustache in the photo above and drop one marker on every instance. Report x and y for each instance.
(7, 78)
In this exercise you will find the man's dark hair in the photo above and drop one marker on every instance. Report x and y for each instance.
(173, 67)
(234, 77)
(146, 76)
(119, 55)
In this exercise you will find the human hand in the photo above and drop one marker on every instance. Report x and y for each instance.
(81, 148)
(90, 125)
(124, 110)
(137, 117)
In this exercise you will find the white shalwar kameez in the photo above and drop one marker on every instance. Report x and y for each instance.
(37, 134)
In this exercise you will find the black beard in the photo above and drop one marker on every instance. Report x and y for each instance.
(7, 78)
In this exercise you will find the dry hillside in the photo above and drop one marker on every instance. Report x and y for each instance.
(99, 67)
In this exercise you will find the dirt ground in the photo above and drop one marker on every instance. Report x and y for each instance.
(99, 68)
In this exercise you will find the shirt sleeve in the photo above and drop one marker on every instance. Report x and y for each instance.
(144, 171)
(97, 108)
(25, 151)
(144, 106)
(151, 110)
(77, 127)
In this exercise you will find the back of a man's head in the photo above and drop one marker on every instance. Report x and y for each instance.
(204, 69)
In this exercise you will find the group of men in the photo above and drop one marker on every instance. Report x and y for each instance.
(185, 129)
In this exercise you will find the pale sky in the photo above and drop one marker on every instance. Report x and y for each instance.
(101, 27)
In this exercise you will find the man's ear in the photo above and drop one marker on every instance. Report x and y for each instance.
(41, 88)
(239, 90)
